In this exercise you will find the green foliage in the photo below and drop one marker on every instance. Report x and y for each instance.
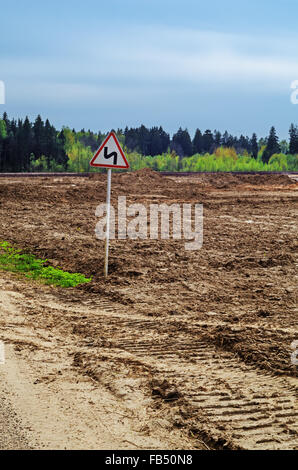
(43, 164)
(79, 155)
(23, 144)
(39, 147)
(284, 146)
(279, 161)
(3, 131)
(272, 146)
(261, 151)
(224, 159)
(292, 161)
(11, 259)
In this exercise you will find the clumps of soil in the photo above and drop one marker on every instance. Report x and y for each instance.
(97, 176)
(143, 174)
(228, 180)
(266, 180)
(280, 259)
(266, 350)
(112, 295)
(165, 390)
(212, 439)
(218, 180)
(72, 190)
(263, 313)
(144, 180)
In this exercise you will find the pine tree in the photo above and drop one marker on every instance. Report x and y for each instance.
(293, 149)
(3, 129)
(208, 141)
(254, 146)
(165, 139)
(61, 158)
(182, 143)
(284, 147)
(38, 130)
(272, 145)
(197, 143)
(144, 140)
(155, 141)
(6, 120)
(217, 138)
(243, 144)
(27, 143)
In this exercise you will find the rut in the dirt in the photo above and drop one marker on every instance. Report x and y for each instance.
(231, 402)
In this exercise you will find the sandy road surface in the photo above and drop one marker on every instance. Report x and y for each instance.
(46, 404)
(178, 349)
(94, 392)
(11, 434)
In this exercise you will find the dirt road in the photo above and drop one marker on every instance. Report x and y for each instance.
(177, 349)
(11, 436)
(48, 403)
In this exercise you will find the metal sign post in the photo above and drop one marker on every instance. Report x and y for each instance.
(106, 265)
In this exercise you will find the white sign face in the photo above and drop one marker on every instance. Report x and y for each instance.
(110, 154)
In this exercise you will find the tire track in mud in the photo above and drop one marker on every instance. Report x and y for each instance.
(234, 403)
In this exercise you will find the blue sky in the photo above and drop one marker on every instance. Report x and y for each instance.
(102, 65)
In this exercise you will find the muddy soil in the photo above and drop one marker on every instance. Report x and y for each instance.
(201, 339)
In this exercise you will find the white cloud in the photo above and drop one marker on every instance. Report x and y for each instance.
(149, 60)
(198, 56)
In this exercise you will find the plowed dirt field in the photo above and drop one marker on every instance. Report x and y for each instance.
(176, 349)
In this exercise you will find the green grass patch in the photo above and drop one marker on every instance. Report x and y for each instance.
(11, 259)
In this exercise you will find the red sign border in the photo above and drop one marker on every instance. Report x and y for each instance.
(111, 134)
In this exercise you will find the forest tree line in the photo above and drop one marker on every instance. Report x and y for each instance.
(39, 146)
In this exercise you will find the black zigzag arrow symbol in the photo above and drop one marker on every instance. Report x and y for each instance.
(110, 155)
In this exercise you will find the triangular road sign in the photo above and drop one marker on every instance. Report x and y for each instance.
(110, 154)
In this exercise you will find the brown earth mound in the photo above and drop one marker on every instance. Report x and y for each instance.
(222, 180)
(217, 180)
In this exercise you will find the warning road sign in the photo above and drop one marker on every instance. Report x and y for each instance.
(110, 154)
